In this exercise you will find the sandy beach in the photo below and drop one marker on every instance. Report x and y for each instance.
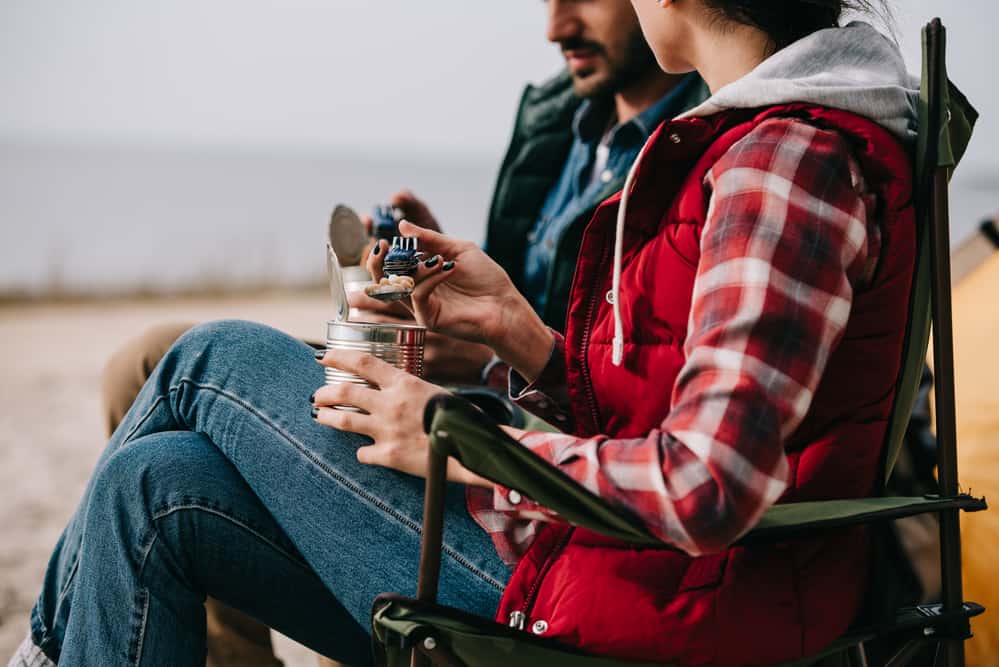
(51, 358)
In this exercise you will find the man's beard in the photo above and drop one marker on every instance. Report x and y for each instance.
(635, 61)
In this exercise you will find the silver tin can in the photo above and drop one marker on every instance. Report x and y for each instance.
(398, 344)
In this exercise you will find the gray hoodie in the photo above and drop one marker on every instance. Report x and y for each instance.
(854, 68)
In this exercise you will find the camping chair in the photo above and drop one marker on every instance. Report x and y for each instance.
(405, 629)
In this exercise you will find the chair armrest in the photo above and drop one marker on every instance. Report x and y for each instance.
(458, 429)
(790, 520)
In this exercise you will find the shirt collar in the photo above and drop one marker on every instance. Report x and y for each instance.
(591, 119)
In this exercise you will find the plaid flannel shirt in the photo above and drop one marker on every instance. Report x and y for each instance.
(789, 236)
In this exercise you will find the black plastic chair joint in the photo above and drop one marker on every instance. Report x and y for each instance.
(439, 401)
(954, 625)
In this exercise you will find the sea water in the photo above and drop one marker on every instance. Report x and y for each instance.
(95, 220)
(90, 219)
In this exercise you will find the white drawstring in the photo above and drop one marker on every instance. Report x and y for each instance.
(617, 349)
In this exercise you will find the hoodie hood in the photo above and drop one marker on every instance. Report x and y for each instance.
(854, 68)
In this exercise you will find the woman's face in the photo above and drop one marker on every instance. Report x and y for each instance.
(666, 26)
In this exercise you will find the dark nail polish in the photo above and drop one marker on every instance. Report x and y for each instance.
(432, 262)
(312, 398)
(320, 354)
(448, 266)
(314, 412)
(377, 249)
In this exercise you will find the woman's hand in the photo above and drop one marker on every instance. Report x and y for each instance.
(394, 419)
(460, 291)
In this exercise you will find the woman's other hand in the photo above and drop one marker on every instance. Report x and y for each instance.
(392, 414)
(460, 291)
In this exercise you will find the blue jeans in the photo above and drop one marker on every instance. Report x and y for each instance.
(218, 482)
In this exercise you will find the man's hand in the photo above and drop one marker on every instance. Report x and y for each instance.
(413, 208)
(445, 359)
(363, 307)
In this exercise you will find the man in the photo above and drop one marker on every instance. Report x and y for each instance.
(574, 139)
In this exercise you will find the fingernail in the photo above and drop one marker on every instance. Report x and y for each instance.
(448, 266)
(314, 412)
(320, 354)
(432, 262)
(312, 398)
(377, 249)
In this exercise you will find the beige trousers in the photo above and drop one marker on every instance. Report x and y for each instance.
(234, 639)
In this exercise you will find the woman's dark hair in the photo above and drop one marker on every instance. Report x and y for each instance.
(787, 21)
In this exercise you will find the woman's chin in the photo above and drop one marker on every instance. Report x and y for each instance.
(672, 66)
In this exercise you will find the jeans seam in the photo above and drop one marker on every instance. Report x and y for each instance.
(336, 476)
(69, 579)
(37, 612)
(153, 535)
(145, 617)
(142, 420)
(161, 514)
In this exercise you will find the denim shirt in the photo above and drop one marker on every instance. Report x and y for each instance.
(578, 189)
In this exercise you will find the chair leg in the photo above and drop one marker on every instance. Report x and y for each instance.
(907, 652)
(857, 656)
(952, 649)
(430, 548)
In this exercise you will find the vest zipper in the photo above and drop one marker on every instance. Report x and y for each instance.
(519, 618)
(585, 341)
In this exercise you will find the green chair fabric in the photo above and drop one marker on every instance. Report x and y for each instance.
(458, 430)
(401, 623)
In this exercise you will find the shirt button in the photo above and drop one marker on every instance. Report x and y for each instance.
(607, 176)
(610, 296)
(675, 138)
(539, 627)
(550, 244)
(514, 497)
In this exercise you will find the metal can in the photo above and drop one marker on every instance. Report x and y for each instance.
(398, 344)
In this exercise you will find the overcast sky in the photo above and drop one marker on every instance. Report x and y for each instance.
(432, 76)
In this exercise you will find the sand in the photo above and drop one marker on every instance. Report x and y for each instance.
(51, 358)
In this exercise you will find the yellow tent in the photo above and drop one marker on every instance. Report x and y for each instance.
(976, 368)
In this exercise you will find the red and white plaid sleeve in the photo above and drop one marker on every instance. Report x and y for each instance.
(789, 237)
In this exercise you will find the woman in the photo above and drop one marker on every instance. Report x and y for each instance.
(733, 340)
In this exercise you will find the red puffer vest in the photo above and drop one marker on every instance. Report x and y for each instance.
(745, 605)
